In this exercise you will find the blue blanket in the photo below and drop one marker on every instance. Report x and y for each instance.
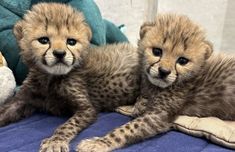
(26, 135)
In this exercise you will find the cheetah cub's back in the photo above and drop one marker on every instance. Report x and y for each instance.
(214, 88)
(112, 73)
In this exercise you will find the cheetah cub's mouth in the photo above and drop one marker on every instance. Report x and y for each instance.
(52, 40)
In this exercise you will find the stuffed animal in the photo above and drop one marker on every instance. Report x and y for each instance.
(7, 81)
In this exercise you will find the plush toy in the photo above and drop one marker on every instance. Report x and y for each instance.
(7, 81)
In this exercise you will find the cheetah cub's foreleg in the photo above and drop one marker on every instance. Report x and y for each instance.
(140, 128)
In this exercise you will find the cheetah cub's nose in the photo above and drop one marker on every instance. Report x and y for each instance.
(59, 54)
(163, 73)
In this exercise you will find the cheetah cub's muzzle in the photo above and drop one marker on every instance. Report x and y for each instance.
(58, 60)
(158, 72)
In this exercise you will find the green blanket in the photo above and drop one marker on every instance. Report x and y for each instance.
(12, 10)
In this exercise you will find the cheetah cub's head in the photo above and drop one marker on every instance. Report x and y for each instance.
(52, 37)
(174, 49)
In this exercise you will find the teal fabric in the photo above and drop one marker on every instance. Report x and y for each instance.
(113, 33)
(12, 10)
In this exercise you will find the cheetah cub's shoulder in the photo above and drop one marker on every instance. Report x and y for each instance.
(179, 76)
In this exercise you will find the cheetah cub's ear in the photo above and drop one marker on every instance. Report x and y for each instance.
(209, 49)
(144, 28)
(18, 30)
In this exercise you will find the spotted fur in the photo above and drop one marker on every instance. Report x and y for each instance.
(66, 76)
(204, 86)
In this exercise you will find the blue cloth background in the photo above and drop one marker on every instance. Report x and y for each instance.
(26, 135)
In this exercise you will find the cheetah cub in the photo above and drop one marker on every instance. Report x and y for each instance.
(66, 76)
(180, 76)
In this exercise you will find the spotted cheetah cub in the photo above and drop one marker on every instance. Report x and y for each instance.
(66, 76)
(180, 77)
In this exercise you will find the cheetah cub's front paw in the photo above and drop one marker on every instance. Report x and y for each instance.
(93, 145)
(50, 145)
(136, 110)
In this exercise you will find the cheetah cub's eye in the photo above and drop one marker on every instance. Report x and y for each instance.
(182, 60)
(71, 41)
(157, 52)
(43, 40)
